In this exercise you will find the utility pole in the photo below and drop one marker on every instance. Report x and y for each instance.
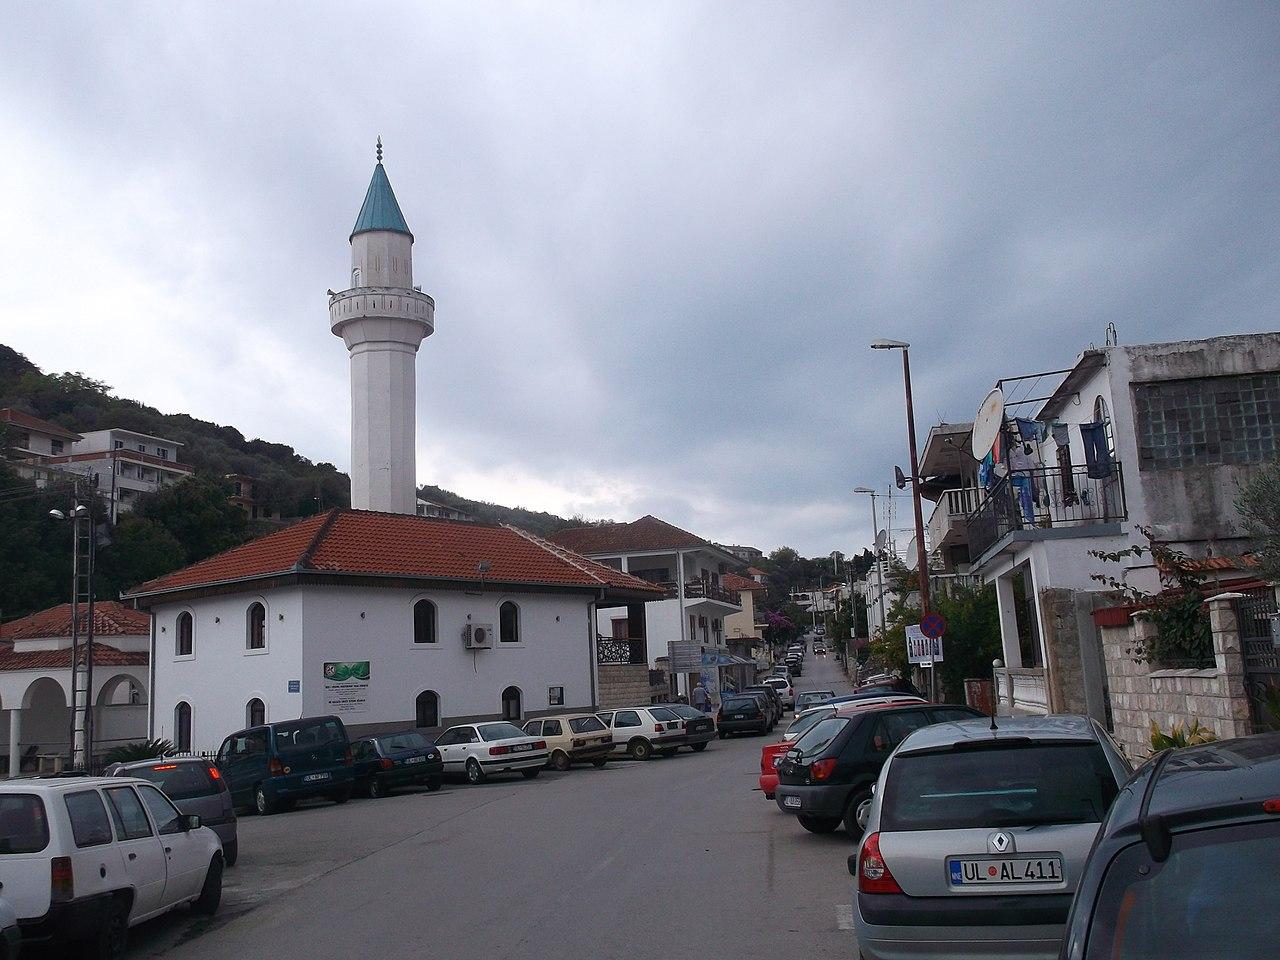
(83, 550)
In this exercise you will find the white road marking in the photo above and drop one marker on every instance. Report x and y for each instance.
(844, 916)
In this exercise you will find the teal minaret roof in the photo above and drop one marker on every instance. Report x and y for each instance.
(380, 210)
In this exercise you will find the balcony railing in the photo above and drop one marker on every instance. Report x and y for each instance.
(1043, 499)
(628, 650)
(950, 514)
(702, 590)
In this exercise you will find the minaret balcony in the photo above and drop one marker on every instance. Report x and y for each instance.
(396, 303)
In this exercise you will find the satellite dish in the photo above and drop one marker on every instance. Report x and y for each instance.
(882, 537)
(899, 477)
(987, 423)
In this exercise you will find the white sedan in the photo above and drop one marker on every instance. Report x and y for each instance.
(479, 750)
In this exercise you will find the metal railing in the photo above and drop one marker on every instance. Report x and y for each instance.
(702, 590)
(1046, 498)
(621, 650)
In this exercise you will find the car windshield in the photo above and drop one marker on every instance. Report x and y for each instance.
(1003, 786)
(820, 736)
(23, 826)
(803, 724)
(179, 781)
(404, 741)
(500, 731)
(811, 698)
(309, 734)
(588, 724)
(739, 703)
(1193, 904)
(662, 713)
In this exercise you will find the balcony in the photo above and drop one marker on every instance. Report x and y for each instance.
(703, 590)
(1045, 499)
(1021, 690)
(624, 650)
(947, 524)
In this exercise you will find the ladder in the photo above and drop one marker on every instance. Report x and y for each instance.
(83, 550)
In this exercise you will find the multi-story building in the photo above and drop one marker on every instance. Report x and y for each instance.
(32, 439)
(745, 554)
(125, 463)
(429, 508)
(244, 494)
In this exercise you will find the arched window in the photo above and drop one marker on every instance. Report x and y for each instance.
(509, 623)
(255, 713)
(184, 642)
(182, 726)
(511, 704)
(427, 709)
(424, 622)
(256, 627)
(355, 277)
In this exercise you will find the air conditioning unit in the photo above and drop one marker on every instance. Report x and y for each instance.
(478, 636)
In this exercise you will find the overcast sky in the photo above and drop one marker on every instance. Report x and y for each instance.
(659, 236)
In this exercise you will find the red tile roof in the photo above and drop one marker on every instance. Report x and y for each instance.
(756, 572)
(20, 419)
(110, 619)
(647, 533)
(731, 581)
(361, 542)
(103, 656)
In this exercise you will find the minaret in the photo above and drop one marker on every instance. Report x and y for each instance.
(382, 319)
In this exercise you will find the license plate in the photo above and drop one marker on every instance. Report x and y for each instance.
(986, 871)
(793, 802)
(521, 747)
(312, 777)
(738, 716)
(416, 760)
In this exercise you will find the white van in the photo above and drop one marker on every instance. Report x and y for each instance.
(85, 858)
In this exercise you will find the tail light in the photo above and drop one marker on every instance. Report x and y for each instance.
(874, 875)
(62, 886)
(275, 767)
(386, 763)
(216, 776)
(498, 751)
(579, 743)
(658, 728)
(821, 769)
(540, 745)
(1271, 806)
(346, 755)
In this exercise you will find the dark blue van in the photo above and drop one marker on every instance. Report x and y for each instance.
(271, 767)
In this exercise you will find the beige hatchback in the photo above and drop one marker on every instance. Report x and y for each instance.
(573, 738)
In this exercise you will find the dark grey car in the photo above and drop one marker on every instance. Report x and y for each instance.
(196, 787)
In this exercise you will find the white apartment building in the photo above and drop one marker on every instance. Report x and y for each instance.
(126, 463)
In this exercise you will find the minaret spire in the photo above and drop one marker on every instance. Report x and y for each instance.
(379, 148)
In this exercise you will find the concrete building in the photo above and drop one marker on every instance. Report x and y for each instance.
(32, 440)
(743, 635)
(244, 494)
(745, 554)
(429, 508)
(433, 622)
(1171, 429)
(126, 464)
(382, 318)
(35, 682)
(688, 569)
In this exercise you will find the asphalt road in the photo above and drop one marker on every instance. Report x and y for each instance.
(675, 857)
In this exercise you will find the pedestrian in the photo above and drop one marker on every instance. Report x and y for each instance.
(700, 697)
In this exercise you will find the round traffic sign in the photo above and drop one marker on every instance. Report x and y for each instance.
(933, 625)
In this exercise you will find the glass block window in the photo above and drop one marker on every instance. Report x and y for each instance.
(1207, 422)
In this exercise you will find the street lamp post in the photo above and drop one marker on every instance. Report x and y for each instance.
(83, 549)
(875, 532)
(922, 561)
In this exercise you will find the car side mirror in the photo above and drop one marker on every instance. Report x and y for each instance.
(191, 822)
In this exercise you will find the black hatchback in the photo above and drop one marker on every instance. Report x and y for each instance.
(830, 771)
(390, 760)
(1187, 859)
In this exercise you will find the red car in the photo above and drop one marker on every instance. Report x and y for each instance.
(772, 754)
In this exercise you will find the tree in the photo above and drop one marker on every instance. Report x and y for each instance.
(140, 549)
(35, 549)
(1259, 506)
(198, 513)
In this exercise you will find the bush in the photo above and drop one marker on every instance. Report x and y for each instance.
(1191, 734)
(139, 750)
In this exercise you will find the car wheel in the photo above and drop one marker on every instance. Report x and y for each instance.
(599, 762)
(211, 893)
(531, 774)
(434, 784)
(699, 747)
(113, 935)
(723, 734)
(263, 803)
(851, 824)
(231, 853)
(475, 774)
(640, 749)
(377, 789)
(818, 824)
(560, 760)
(669, 752)
(342, 796)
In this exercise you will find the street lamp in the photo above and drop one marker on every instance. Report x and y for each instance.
(83, 549)
(875, 532)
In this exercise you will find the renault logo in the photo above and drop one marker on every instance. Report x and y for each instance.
(1000, 842)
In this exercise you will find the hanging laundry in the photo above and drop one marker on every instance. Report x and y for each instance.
(1097, 454)
(1026, 497)
(986, 474)
(1022, 457)
(1066, 476)
(1030, 430)
(1061, 435)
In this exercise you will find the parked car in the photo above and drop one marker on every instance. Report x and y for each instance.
(819, 650)
(887, 685)
(795, 663)
(1167, 875)
(977, 837)
(480, 750)
(772, 696)
(811, 698)
(639, 731)
(743, 713)
(272, 767)
(86, 858)
(573, 738)
(10, 935)
(869, 695)
(830, 771)
(196, 787)
(381, 764)
(699, 727)
(786, 692)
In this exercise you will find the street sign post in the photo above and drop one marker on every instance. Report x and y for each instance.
(922, 648)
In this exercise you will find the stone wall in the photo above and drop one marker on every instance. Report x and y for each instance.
(1077, 683)
(623, 684)
(1214, 696)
